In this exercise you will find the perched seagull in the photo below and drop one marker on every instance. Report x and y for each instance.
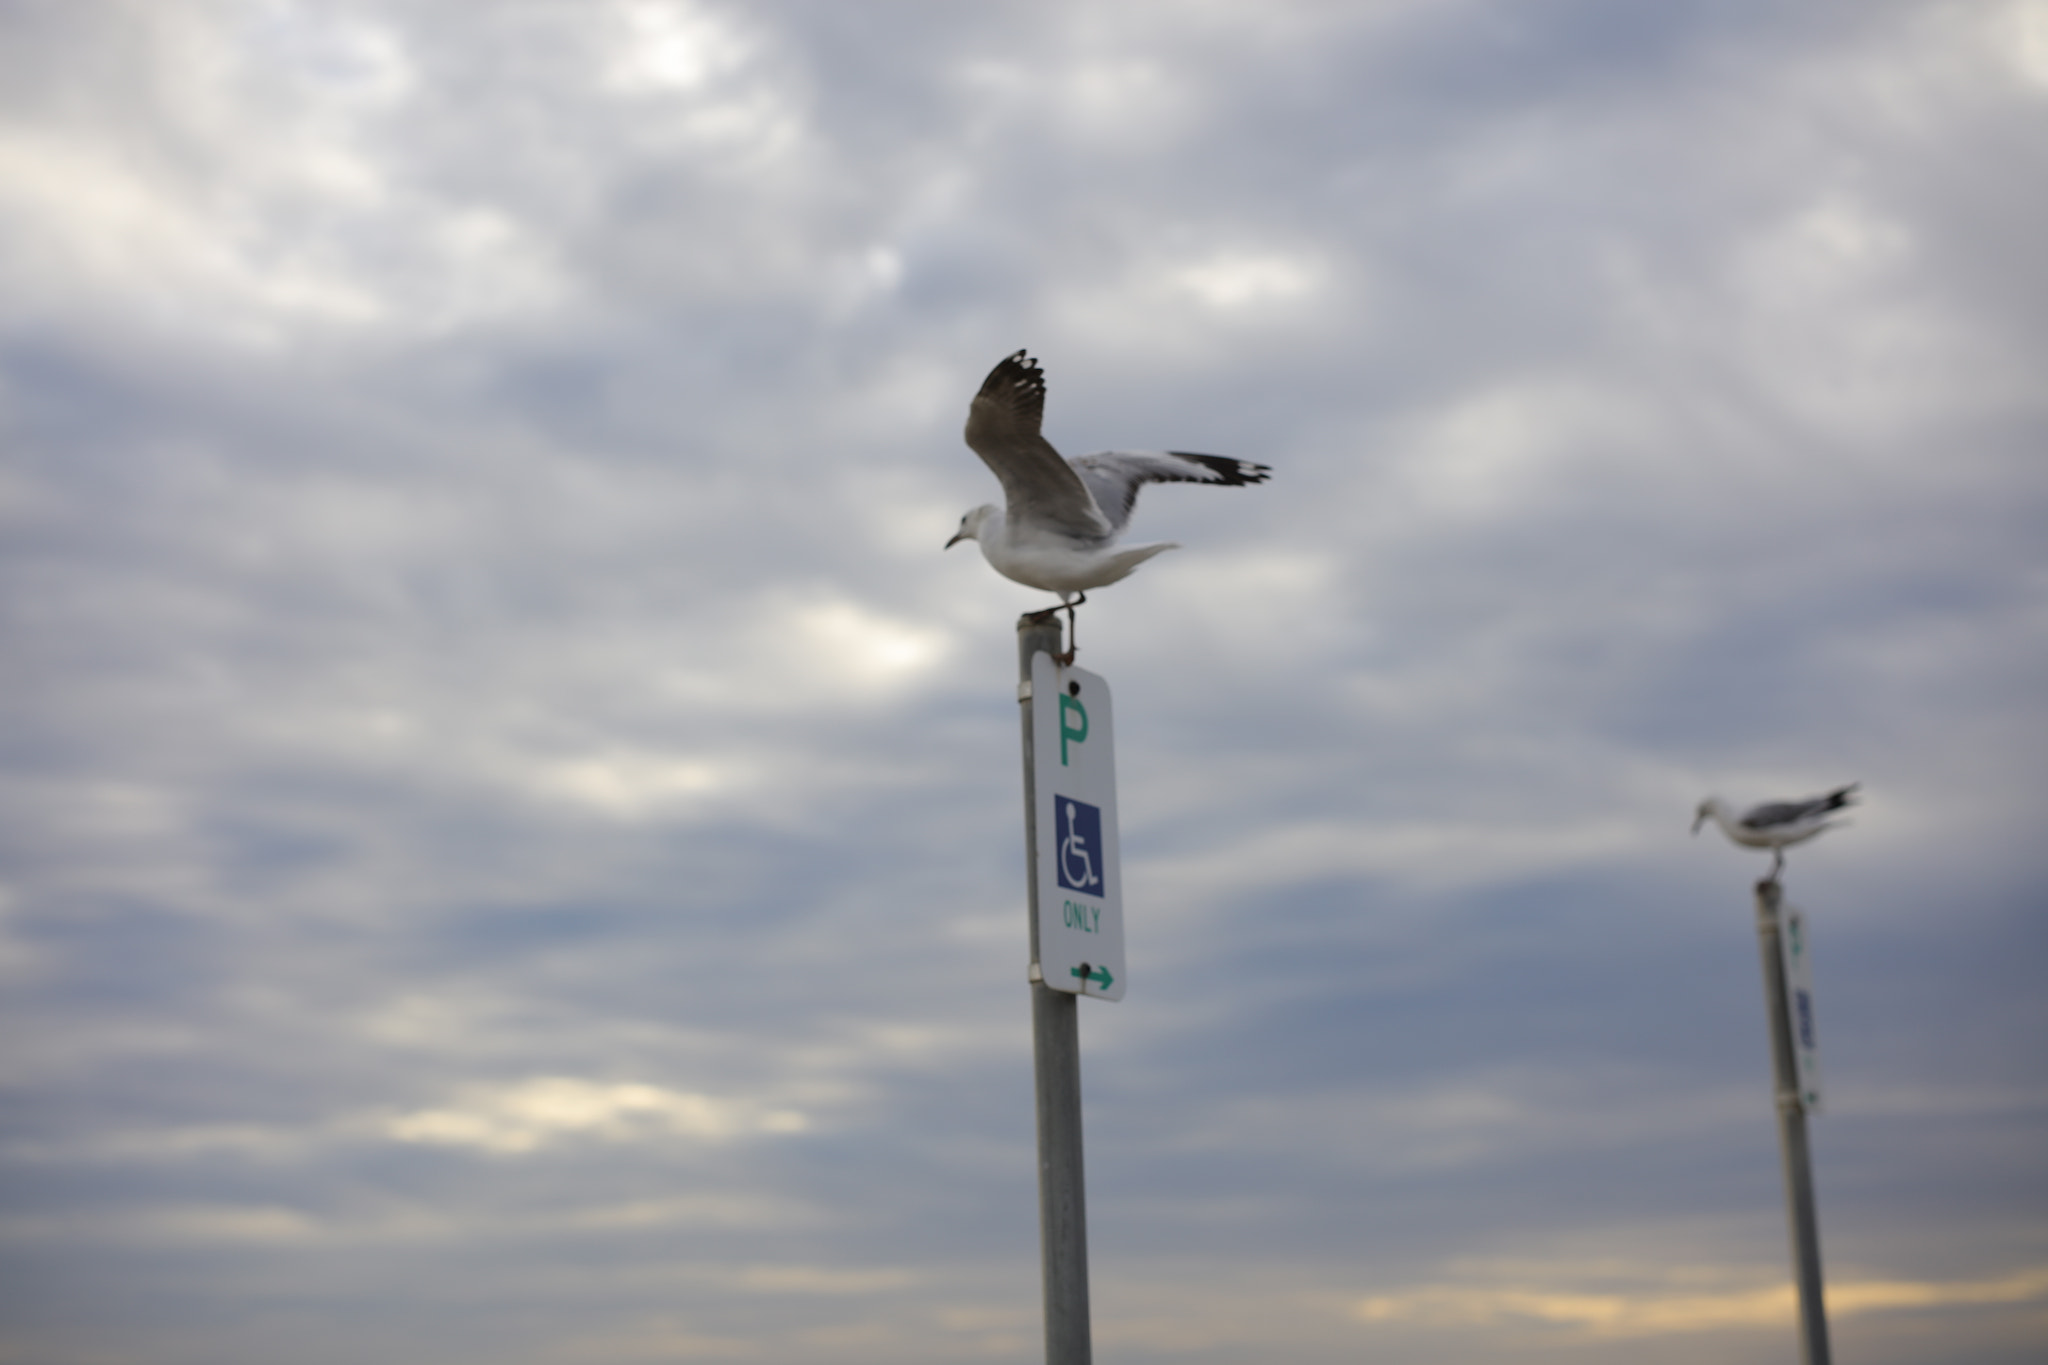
(1060, 519)
(1776, 825)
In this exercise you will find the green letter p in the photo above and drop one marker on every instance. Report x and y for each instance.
(1068, 732)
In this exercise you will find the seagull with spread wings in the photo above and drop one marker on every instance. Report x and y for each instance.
(1776, 825)
(1058, 526)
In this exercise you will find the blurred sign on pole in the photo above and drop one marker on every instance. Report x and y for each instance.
(1799, 1007)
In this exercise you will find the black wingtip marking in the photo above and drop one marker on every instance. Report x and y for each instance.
(1018, 371)
(1843, 796)
(1230, 473)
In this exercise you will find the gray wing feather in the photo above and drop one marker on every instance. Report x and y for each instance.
(1115, 476)
(1774, 813)
(1778, 813)
(1039, 487)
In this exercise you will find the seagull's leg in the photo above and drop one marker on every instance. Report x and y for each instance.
(1777, 861)
(1073, 629)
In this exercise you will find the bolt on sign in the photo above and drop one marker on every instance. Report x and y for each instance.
(1080, 889)
(1799, 1006)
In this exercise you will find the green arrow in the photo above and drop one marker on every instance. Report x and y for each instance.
(1100, 976)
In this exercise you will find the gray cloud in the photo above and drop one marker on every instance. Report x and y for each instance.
(508, 841)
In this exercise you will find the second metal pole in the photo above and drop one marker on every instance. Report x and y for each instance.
(1056, 1054)
(1813, 1320)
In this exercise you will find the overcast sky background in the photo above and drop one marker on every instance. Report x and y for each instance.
(510, 847)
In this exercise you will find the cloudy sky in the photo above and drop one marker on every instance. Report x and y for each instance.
(509, 842)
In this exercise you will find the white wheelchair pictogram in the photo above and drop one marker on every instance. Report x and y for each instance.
(1073, 848)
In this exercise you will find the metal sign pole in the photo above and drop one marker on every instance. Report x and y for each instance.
(1813, 1322)
(1056, 1054)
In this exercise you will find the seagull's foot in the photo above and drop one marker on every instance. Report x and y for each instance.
(1073, 630)
(1051, 614)
(1065, 660)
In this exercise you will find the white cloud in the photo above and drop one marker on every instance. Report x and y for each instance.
(547, 1111)
(1683, 1300)
(1241, 280)
(671, 46)
(633, 784)
(2020, 32)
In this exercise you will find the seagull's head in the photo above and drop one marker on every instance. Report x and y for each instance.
(971, 524)
(1703, 814)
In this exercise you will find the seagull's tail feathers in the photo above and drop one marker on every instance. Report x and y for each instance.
(1130, 557)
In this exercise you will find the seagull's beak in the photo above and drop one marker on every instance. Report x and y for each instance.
(1698, 820)
(958, 536)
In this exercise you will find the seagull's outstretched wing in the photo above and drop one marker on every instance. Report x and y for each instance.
(1115, 476)
(1781, 814)
(1039, 487)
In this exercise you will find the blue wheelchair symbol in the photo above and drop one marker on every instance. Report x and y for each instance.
(1078, 827)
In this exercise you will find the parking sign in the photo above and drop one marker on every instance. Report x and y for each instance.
(1080, 892)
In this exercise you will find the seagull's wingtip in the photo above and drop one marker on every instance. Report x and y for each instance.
(1228, 470)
